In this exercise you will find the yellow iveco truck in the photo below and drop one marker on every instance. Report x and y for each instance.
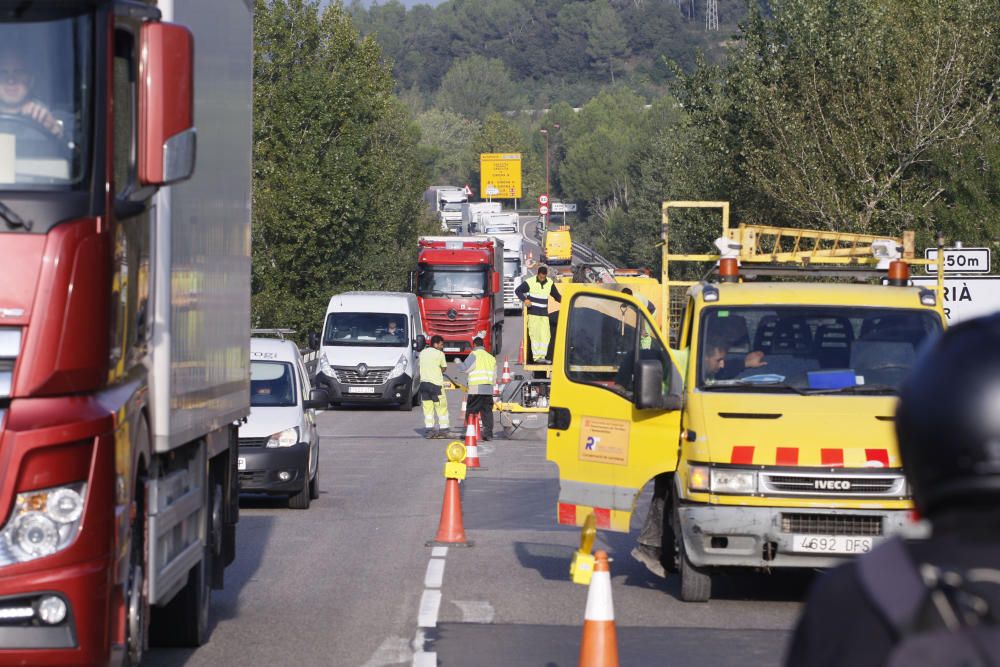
(770, 423)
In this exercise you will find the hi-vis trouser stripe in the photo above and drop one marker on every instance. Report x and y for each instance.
(832, 457)
(440, 406)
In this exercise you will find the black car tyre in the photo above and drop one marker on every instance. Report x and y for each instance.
(301, 500)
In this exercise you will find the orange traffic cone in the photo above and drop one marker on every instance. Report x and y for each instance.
(505, 376)
(599, 647)
(451, 531)
(471, 444)
(520, 353)
(496, 392)
(478, 421)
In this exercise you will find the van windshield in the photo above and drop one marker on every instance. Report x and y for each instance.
(814, 349)
(370, 329)
(271, 384)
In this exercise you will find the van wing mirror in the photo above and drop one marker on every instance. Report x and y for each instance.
(318, 400)
(649, 393)
(167, 136)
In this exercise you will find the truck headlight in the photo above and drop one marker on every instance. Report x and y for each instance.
(43, 522)
(733, 481)
(324, 366)
(286, 438)
(698, 478)
(399, 368)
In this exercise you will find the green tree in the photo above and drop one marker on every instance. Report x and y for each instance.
(477, 86)
(606, 37)
(337, 182)
(447, 139)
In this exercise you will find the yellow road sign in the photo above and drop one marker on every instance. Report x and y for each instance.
(500, 175)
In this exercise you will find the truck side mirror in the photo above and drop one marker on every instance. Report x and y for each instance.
(419, 342)
(313, 341)
(495, 282)
(411, 278)
(167, 136)
(649, 386)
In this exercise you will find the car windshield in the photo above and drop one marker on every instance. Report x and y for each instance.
(45, 65)
(370, 329)
(271, 383)
(821, 349)
(452, 280)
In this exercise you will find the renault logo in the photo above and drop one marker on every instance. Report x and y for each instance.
(362, 369)
(831, 485)
(452, 314)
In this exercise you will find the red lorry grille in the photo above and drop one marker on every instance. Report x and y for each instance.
(439, 322)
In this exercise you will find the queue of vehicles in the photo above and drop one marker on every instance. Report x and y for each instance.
(124, 336)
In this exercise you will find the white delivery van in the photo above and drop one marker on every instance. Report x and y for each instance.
(368, 349)
(278, 444)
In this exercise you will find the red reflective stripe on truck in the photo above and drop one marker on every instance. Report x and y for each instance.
(602, 516)
(742, 454)
(567, 514)
(880, 455)
(787, 456)
(832, 457)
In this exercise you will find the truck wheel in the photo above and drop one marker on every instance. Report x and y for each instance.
(301, 500)
(696, 584)
(184, 620)
(137, 604)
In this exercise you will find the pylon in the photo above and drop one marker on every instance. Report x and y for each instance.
(471, 444)
(599, 647)
(451, 531)
(478, 420)
(505, 376)
(520, 353)
(496, 392)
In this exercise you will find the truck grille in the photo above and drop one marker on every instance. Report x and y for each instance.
(464, 323)
(374, 376)
(833, 484)
(508, 291)
(831, 524)
(253, 442)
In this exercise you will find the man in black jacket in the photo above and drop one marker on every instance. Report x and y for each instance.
(948, 426)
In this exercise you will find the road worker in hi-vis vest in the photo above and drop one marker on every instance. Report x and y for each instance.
(432, 398)
(481, 367)
(536, 291)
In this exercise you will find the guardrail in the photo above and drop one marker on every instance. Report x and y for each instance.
(311, 360)
(591, 257)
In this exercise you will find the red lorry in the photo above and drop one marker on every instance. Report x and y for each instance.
(459, 288)
(124, 322)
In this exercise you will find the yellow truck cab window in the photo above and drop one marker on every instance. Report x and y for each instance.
(605, 339)
(810, 349)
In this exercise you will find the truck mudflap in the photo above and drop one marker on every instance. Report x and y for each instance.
(611, 505)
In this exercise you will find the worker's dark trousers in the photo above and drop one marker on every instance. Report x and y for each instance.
(482, 404)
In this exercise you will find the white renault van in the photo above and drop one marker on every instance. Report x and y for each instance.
(278, 444)
(368, 349)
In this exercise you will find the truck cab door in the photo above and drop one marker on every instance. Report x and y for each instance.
(607, 448)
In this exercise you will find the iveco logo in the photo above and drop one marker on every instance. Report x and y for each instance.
(452, 314)
(362, 369)
(11, 312)
(831, 485)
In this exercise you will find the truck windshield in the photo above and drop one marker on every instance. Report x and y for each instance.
(440, 281)
(271, 384)
(812, 350)
(452, 207)
(45, 85)
(370, 329)
(512, 267)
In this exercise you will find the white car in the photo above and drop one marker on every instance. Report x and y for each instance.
(279, 445)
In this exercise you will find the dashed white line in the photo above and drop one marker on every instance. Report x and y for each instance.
(435, 573)
(430, 604)
(439, 552)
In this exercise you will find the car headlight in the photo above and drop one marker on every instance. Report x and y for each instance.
(324, 366)
(724, 480)
(43, 522)
(286, 438)
(400, 367)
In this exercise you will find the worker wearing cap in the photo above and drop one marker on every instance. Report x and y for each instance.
(481, 367)
(432, 398)
(536, 291)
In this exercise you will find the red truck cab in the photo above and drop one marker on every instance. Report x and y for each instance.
(459, 289)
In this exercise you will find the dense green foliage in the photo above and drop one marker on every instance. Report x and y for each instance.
(337, 177)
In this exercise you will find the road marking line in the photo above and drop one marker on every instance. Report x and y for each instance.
(475, 611)
(435, 573)
(439, 552)
(422, 659)
(430, 604)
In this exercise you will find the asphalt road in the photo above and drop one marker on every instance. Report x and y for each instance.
(349, 581)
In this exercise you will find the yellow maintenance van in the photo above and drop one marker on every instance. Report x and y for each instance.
(557, 248)
(769, 425)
